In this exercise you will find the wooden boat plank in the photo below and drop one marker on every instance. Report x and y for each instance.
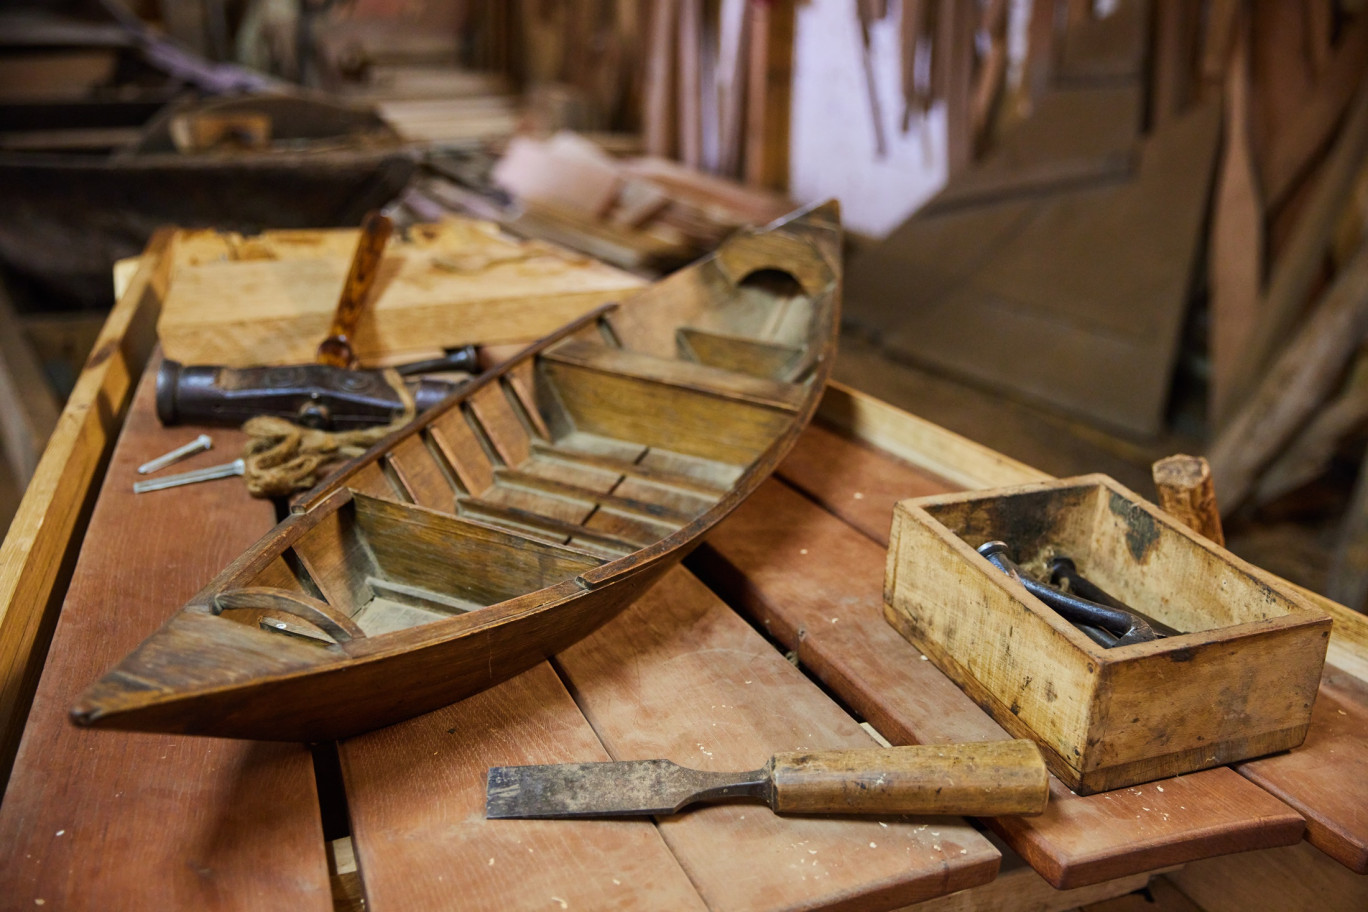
(611, 499)
(589, 477)
(502, 426)
(559, 507)
(815, 583)
(372, 480)
(454, 438)
(696, 422)
(422, 477)
(717, 473)
(710, 685)
(682, 503)
(640, 530)
(153, 821)
(687, 374)
(688, 480)
(337, 562)
(416, 793)
(541, 527)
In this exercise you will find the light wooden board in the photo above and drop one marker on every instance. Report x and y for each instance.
(106, 820)
(719, 697)
(459, 282)
(416, 794)
(1064, 312)
(40, 547)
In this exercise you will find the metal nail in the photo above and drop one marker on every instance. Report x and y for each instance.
(198, 445)
(227, 470)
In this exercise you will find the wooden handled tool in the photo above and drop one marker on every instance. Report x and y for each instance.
(336, 350)
(986, 779)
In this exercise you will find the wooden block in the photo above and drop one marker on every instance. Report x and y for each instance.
(720, 697)
(416, 796)
(793, 567)
(457, 283)
(150, 820)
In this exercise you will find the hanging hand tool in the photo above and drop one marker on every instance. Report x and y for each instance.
(336, 350)
(986, 779)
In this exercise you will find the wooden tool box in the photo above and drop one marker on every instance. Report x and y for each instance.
(695, 672)
(1238, 683)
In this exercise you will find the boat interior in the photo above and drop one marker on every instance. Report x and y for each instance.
(608, 440)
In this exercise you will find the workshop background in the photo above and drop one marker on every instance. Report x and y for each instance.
(1086, 233)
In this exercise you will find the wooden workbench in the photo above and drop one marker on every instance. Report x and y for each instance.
(695, 672)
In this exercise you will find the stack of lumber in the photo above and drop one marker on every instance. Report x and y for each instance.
(644, 214)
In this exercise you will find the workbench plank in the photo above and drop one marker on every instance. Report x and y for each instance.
(681, 676)
(416, 793)
(1326, 779)
(816, 584)
(115, 820)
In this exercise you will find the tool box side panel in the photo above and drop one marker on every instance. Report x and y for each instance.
(1235, 696)
(979, 633)
(1151, 562)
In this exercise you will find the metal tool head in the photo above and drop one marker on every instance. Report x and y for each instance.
(633, 787)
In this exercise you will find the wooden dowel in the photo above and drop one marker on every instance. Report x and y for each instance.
(336, 349)
(1186, 493)
(985, 779)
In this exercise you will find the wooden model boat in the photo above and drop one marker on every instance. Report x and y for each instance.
(511, 521)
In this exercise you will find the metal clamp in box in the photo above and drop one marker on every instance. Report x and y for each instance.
(1239, 682)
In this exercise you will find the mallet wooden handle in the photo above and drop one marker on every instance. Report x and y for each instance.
(336, 349)
(986, 779)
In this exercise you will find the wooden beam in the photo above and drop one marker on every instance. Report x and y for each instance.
(1297, 268)
(769, 88)
(37, 554)
(1235, 257)
(28, 407)
(1312, 125)
(1299, 381)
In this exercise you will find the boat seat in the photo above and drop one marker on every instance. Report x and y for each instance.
(691, 375)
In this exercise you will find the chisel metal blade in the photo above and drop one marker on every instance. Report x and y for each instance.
(632, 787)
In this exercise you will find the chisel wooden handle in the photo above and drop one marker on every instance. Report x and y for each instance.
(336, 350)
(979, 780)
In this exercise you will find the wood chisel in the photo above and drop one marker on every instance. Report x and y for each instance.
(986, 779)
